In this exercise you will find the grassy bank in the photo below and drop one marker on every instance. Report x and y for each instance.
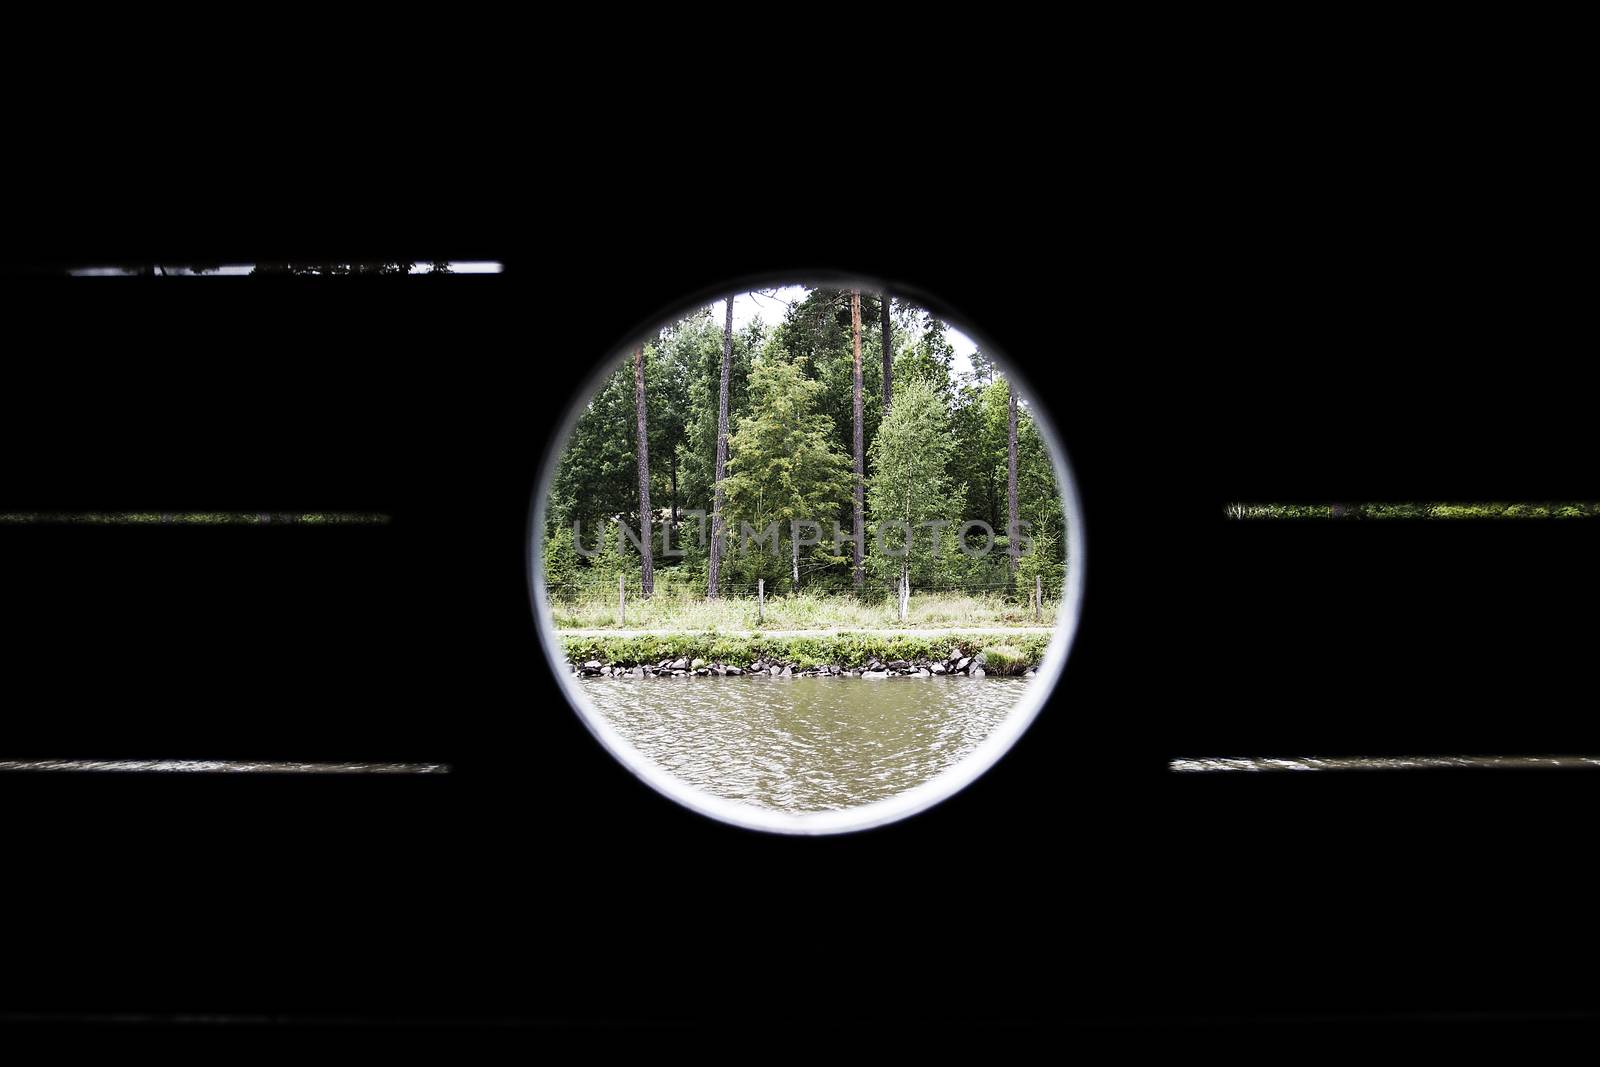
(1004, 654)
(681, 609)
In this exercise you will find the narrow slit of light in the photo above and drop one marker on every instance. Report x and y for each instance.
(191, 518)
(196, 766)
(1403, 511)
(1245, 764)
(239, 270)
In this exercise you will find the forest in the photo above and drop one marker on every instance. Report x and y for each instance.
(847, 415)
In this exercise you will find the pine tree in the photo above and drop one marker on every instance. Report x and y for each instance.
(1013, 532)
(859, 577)
(642, 450)
(718, 522)
(783, 464)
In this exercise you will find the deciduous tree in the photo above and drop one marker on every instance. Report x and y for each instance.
(884, 305)
(909, 485)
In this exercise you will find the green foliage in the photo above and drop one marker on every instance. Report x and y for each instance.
(1392, 511)
(791, 439)
(927, 358)
(669, 365)
(1011, 656)
(980, 419)
(560, 563)
(783, 465)
(909, 484)
(597, 478)
(700, 339)
(193, 518)
(816, 334)
(1007, 659)
(1042, 561)
(1525, 510)
(607, 560)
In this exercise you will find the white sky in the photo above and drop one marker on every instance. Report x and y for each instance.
(771, 309)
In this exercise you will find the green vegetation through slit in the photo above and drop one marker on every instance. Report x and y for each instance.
(190, 518)
(1521, 510)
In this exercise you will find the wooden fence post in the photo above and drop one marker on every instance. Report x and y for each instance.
(761, 599)
(622, 600)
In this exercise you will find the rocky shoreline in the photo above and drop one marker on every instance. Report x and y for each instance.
(956, 664)
(851, 654)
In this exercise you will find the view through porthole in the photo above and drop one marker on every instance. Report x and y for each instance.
(807, 559)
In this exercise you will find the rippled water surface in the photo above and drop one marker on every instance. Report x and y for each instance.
(804, 744)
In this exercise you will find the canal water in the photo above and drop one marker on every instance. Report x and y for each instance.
(804, 744)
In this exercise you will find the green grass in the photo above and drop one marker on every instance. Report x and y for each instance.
(680, 609)
(1013, 655)
(1008, 658)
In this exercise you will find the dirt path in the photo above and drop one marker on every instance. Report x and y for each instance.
(942, 631)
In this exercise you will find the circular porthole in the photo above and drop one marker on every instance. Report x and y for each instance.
(807, 558)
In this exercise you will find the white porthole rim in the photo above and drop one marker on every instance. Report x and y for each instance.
(866, 816)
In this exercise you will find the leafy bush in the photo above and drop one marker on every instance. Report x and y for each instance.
(1012, 656)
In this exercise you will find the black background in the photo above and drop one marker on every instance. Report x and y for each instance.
(1307, 345)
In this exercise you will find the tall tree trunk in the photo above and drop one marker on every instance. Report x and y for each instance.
(648, 581)
(674, 468)
(714, 571)
(859, 576)
(1013, 533)
(888, 354)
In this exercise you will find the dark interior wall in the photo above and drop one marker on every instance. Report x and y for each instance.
(1076, 879)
